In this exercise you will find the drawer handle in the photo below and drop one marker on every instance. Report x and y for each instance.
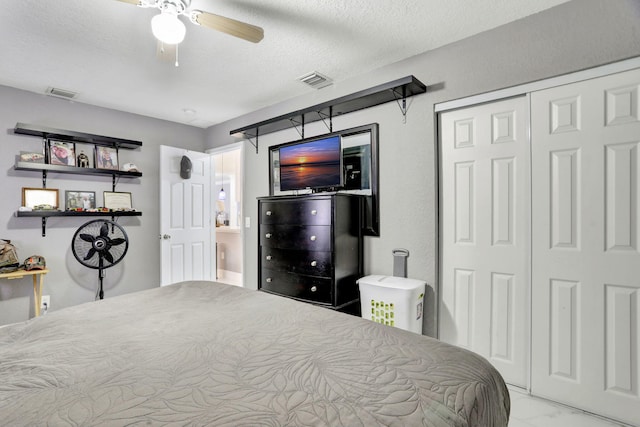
(314, 263)
(313, 238)
(314, 212)
(268, 235)
(313, 289)
(269, 257)
(269, 280)
(268, 213)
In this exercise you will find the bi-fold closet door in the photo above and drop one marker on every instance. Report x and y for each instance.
(485, 233)
(582, 231)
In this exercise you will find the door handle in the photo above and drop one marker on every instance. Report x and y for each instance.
(164, 237)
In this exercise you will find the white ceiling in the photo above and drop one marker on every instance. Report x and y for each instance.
(104, 49)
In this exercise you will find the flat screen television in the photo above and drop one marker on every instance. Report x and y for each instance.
(311, 164)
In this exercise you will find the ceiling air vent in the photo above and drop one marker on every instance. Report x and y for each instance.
(316, 80)
(60, 93)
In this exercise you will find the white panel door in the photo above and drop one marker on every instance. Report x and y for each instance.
(586, 260)
(185, 217)
(485, 233)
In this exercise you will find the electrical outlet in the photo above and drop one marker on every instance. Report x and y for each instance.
(247, 222)
(45, 304)
(222, 255)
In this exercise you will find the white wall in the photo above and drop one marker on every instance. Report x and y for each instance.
(570, 37)
(69, 283)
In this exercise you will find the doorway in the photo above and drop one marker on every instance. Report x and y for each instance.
(227, 194)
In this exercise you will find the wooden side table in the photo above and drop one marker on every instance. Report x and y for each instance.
(37, 284)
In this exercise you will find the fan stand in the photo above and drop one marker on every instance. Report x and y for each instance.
(101, 277)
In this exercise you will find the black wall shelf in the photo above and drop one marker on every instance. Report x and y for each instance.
(44, 214)
(69, 135)
(397, 90)
(28, 166)
(47, 134)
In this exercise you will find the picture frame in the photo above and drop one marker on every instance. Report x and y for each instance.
(40, 198)
(106, 158)
(117, 200)
(79, 200)
(85, 155)
(31, 157)
(62, 153)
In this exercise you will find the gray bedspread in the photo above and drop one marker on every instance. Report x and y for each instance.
(203, 353)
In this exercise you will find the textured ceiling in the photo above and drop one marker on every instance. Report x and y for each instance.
(104, 49)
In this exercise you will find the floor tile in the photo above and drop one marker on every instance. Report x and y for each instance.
(528, 411)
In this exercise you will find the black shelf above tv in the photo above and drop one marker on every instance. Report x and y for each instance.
(392, 91)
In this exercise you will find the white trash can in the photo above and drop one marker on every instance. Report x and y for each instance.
(393, 301)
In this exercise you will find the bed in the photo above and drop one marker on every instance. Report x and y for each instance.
(204, 353)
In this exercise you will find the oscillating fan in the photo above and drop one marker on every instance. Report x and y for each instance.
(100, 244)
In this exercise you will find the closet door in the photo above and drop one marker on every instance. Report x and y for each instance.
(586, 260)
(485, 233)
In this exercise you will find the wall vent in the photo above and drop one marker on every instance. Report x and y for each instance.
(60, 93)
(315, 80)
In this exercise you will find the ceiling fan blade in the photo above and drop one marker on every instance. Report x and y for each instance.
(227, 25)
(134, 2)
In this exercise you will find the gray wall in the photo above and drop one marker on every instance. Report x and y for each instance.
(69, 283)
(574, 36)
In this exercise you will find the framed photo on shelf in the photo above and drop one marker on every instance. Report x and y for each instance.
(27, 156)
(106, 158)
(40, 198)
(62, 153)
(117, 200)
(85, 157)
(79, 200)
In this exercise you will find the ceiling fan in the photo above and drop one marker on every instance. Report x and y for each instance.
(168, 29)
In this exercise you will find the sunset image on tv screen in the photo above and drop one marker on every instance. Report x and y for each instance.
(311, 164)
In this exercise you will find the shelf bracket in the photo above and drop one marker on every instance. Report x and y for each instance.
(295, 124)
(325, 116)
(403, 106)
(44, 226)
(251, 142)
(44, 179)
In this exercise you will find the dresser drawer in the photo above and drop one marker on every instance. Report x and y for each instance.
(311, 212)
(300, 237)
(293, 285)
(310, 263)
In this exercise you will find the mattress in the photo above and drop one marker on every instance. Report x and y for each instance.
(204, 353)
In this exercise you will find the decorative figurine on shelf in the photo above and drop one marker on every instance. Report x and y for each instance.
(83, 160)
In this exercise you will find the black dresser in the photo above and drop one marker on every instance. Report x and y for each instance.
(310, 248)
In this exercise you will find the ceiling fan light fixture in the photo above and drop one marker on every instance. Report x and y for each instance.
(167, 28)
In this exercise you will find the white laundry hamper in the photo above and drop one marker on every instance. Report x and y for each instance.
(393, 301)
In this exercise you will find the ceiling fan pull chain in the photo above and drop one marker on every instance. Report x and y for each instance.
(177, 65)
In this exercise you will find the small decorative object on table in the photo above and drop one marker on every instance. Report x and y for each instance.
(8, 257)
